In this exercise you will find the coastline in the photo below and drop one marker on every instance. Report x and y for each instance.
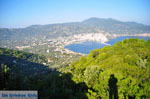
(104, 42)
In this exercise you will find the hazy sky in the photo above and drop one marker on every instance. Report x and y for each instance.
(22, 13)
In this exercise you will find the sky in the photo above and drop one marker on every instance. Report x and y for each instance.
(23, 13)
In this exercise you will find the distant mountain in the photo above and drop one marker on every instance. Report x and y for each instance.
(109, 21)
(91, 25)
(114, 26)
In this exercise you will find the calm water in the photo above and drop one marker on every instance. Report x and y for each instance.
(113, 41)
(87, 46)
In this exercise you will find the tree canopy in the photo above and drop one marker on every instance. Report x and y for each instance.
(126, 62)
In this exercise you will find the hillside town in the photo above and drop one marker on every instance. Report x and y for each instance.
(58, 44)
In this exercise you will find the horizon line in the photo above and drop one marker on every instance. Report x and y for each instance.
(70, 22)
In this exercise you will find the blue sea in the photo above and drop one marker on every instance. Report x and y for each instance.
(87, 46)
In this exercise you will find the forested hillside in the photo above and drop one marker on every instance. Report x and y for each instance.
(118, 71)
(25, 63)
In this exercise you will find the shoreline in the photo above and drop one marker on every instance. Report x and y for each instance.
(79, 42)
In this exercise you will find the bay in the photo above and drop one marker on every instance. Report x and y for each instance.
(87, 46)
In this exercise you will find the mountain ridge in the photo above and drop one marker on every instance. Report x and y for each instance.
(92, 22)
(91, 18)
(87, 20)
(92, 25)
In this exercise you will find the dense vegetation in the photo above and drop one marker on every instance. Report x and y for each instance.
(26, 63)
(118, 71)
(25, 71)
(122, 70)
